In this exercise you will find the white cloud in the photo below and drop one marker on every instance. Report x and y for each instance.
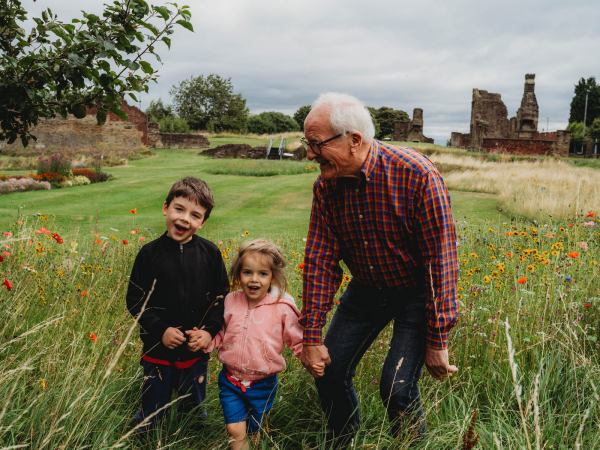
(428, 54)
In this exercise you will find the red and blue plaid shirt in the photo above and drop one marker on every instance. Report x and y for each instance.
(392, 227)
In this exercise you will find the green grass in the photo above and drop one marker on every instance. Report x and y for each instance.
(262, 168)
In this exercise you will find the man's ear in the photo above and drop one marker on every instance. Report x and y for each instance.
(165, 208)
(356, 141)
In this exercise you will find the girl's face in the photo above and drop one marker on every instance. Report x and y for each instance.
(255, 277)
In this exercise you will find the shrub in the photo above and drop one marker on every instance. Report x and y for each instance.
(59, 163)
(173, 125)
(79, 180)
(50, 177)
(22, 184)
(271, 123)
(95, 176)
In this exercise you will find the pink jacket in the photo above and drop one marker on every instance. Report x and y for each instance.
(251, 341)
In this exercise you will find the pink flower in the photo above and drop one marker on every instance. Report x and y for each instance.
(19, 222)
(142, 238)
(134, 231)
(550, 235)
(583, 245)
(43, 230)
(6, 253)
(589, 224)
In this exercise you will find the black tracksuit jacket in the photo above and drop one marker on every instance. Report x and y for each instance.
(191, 285)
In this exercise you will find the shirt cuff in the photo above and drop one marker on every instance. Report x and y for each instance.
(437, 339)
(312, 336)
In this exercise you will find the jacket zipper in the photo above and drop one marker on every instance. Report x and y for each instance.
(182, 290)
(243, 346)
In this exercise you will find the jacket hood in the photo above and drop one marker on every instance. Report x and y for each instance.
(273, 297)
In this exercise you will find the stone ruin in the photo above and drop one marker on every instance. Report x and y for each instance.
(134, 132)
(245, 151)
(411, 130)
(491, 130)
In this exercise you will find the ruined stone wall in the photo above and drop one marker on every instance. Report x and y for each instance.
(73, 132)
(526, 123)
(245, 151)
(562, 143)
(460, 140)
(411, 131)
(489, 118)
(157, 139)
(518, 146)
(545, 136)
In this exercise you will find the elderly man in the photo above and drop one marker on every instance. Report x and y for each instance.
(385, 212)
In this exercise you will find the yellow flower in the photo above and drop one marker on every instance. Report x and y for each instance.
(473, 255)
(459, 296)
(492, 258)
(554, 252)
(486, 279)
(474, 293)
(60, 272)
(247, 233)
(530, 268)
(43, 383)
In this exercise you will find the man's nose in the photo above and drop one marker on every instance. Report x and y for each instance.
(310, 154)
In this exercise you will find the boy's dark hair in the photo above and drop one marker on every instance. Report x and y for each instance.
(195, 190)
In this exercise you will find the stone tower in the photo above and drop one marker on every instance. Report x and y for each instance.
(525, 125)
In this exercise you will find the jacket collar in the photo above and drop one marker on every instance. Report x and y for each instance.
(169, 241)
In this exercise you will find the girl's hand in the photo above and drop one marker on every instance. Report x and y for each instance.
(199, 339)
(319, 369)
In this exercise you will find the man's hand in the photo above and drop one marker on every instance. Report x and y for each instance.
(199, 339)
(437, 363)
(313, 357)
(172, 338)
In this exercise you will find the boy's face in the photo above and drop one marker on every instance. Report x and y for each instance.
(184, 218)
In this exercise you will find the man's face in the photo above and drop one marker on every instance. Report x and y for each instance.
(335, 156)
(184, 218)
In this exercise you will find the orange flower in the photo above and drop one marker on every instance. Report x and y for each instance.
(590, 214)
(83, 292)
(93, 337)
(573, 254)
(125, 242)
(522, 280)
(7, 234)
(133, 211)
(142, 238)
(301, 266)
(134, 231)
(509, 233)
(509, 254)
(98, 241)
(337, 302)
(571, 225)
(7, 284)
(96, 234)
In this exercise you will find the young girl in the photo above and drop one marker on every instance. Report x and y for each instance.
(259, 319)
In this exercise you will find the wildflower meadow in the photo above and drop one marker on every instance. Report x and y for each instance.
(526, 344)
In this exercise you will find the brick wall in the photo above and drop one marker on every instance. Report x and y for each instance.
(518, 146)
(73, 132)
(460, 140)
(545, 136)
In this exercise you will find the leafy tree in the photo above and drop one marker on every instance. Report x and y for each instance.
(578, 102)
(170, 124)
(271, 122)
(300, 115)
(386, 117)
(209, 103)
(373, 113)
(577, 136)
(157, 110)
(593, 131)
(93, 62)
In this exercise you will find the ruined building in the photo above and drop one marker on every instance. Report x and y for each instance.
(134, 132)
(491, 130)
(411, 130)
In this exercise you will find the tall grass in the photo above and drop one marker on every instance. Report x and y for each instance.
(57, 392)
(262, 168)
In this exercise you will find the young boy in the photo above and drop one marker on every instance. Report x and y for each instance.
(191, 285)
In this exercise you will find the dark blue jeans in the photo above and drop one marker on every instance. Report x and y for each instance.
(363, 313)
(159, 383)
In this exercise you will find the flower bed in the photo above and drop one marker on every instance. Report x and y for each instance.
(22, 184)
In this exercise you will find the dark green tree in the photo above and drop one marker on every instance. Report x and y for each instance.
(271, 122)
(577, 136)
(59, 67)
(300, 115)
(208, 103)
(156, 110)
(386, 117)
(593, 131)
(373, 113)
(578, 102)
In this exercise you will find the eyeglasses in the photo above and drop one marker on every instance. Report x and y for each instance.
(316, 148)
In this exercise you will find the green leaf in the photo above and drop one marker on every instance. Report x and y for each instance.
(133, 97)
(119, 113)
(186, 25)
(69, 27)
(75, 59)
(104, 65)
(592, 338)
(101, 116)
(163, 11)
(45, 16)
(146, 67)
(135, 83)
(167, 41)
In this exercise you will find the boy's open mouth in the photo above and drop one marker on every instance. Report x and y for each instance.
(180, 229)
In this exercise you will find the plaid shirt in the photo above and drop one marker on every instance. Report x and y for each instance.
(393, 228)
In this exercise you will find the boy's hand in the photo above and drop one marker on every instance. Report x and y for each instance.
(172, 338)
(319, 369)
(199, 339)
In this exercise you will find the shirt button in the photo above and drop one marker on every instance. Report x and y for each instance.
(360, 216)
(366, 243)
(368, 179)
(356, 190)
(371, 267)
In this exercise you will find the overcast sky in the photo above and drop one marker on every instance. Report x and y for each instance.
(426, 54)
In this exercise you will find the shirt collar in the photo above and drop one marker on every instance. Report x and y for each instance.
(365, 173)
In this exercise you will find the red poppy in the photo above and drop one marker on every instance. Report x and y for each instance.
(522, 280)
(57, 238)
(98, 241)
(83, 292)
(509, 233)
(1, 258)
(571, 225)
(125, 242)
(93, 337)
(337, 302)
(588, 306)
(134, 231)
(590, 214)
(509, 254)
(142, 238)
(133, 211)
(573, 254)
(301, 266)
(7, 284)
(7, 234)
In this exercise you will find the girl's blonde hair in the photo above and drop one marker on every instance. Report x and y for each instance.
(271, 252)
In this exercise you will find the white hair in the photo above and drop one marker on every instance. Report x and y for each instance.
(348, 114)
